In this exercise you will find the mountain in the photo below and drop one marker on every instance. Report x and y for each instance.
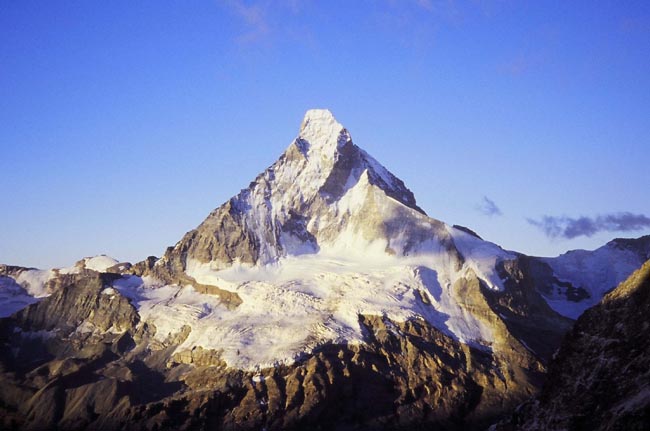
(320, 192)
(319, 296)
(600, 378)
(323, 235)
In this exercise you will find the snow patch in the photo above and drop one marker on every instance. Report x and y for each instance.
(109, 291)
(100, 263)
(35, 280)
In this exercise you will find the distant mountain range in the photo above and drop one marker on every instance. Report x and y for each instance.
(319, 297)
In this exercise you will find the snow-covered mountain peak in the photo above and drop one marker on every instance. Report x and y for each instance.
(318, 193)
(321, 136)
(327, 163)
(314, 116)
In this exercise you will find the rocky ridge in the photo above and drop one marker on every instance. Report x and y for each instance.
(600, 378)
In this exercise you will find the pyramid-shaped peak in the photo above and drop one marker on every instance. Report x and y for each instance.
(334, 164)
(323, 188)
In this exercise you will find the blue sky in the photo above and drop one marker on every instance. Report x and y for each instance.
(123, 124)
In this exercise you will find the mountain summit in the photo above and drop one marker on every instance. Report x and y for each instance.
(320, 133)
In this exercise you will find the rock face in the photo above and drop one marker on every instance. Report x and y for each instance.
(83, 300)
(600, 378)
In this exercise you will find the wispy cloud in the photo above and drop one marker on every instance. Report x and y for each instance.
(567, 227)
(255, 17)
(635, 24)
(261, 18)
(516, 66)
(437, 6)
(527, 61)
(488, 207)
(425, 4)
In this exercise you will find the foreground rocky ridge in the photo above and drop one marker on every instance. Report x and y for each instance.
(600, 378)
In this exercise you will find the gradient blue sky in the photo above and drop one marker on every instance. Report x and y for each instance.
(122, 124)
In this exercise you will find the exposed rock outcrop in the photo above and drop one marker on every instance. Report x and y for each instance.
(81, 299)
